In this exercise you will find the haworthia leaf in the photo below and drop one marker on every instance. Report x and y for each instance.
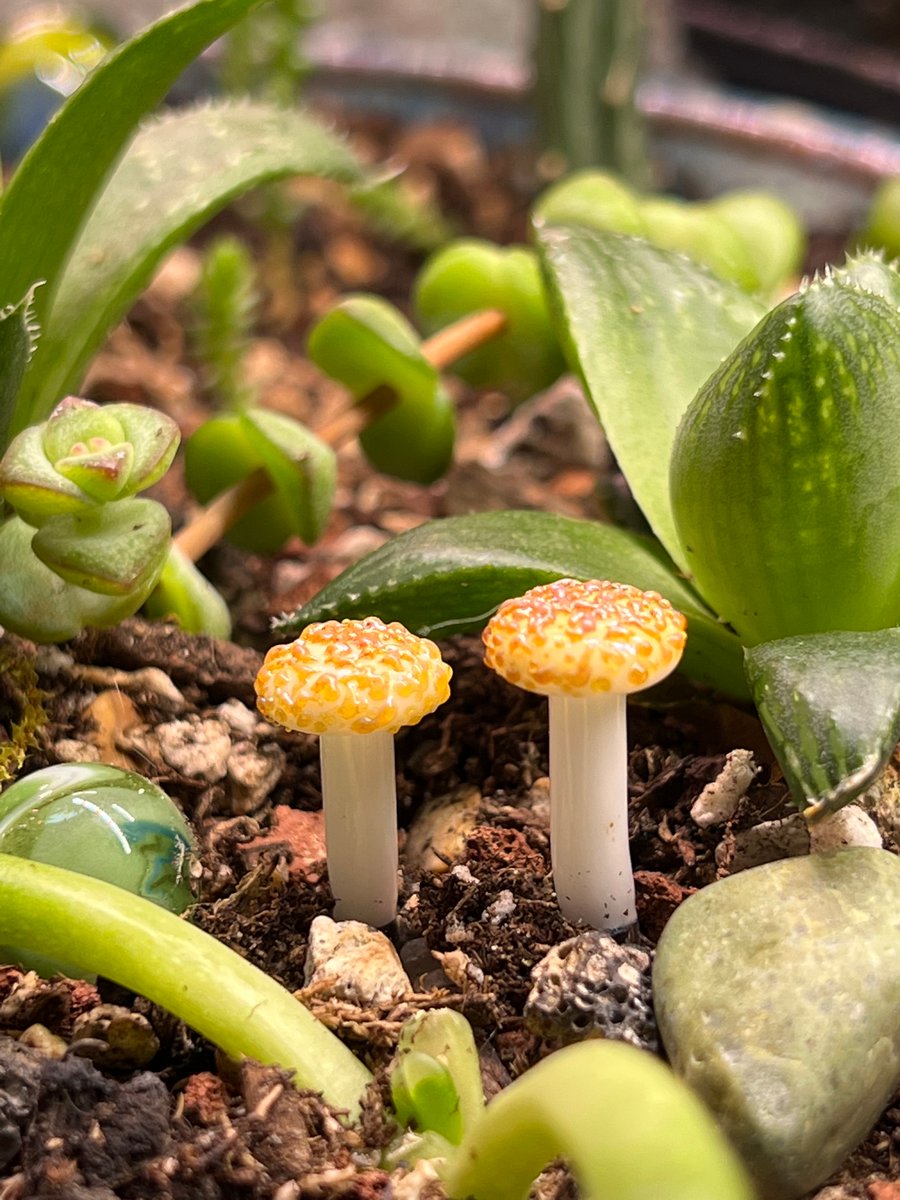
(17, 339)
(448, 577)
(830, 705)
(645, 327)
(179, 170)
(786, 503)
(58, 181)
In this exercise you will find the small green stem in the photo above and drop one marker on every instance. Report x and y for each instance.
(104, 930)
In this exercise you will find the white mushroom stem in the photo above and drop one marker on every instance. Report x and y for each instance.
(359, 798)
(589, 810)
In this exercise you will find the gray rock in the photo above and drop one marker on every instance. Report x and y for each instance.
(776, 994)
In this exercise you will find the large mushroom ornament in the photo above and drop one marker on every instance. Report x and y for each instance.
(587, 645)
(355, 684)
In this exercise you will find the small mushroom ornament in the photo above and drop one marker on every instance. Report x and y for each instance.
(355, 684)
(587, 645)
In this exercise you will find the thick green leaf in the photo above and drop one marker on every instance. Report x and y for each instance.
(36, 603)
(179, 170)
(17, 339)
(369, 346)
(782, 485)
(184, 595)
(830, 704)
(58, 181)
(449, 576)
(117, 550)
(644, 327)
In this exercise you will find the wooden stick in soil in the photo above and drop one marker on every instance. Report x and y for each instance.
(202, 532)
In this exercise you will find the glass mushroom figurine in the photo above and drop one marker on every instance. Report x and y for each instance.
(355, 684)
(587, 645)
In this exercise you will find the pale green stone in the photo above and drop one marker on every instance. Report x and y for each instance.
(777, 993)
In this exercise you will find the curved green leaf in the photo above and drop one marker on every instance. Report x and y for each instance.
(645, 327)
(830, 705)
(182, 594)
(449, 576)
(57, 182)
(117, 549)
(373, 350)
(786, 502)
(36, 603)
(628, 1126)
(180, 169)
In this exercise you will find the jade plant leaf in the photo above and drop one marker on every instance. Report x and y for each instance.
(645, 328)
(57, 183)
(370, 347)
(116, 550)
(830, 705)
(180, 169)
(37, 603)
(449, 576)
(788, 510)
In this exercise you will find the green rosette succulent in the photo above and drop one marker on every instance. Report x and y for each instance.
(78, 547)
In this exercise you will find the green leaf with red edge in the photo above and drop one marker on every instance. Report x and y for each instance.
(830, 705)
(449, 576)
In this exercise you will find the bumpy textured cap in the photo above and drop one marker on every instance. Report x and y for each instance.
(575, 638)
(352, 677)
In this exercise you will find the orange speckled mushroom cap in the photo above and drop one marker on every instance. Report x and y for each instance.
(352, 677)
(575, 638)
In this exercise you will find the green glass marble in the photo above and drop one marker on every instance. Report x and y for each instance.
(101, 821)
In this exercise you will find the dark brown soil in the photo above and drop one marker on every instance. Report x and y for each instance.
(167, 1118)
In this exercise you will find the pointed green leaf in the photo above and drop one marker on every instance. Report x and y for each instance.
(180, 169)
(830, 705)
(372, 349)
(57, 183)
(645, 327)
(117, 550)
(449, 576)
(101, 472)
(786, 503)
(17, 341)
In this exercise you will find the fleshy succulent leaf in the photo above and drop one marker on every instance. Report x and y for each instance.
(789, 518)
(154, 437)
(610, 1110)
(184, 595)
(31, 484)
(180, 169)
(229, 447)
(469, 275)
(435, 1074)
(370, 347)
(830, 705)
(17, 342)
(449, 576)
(99, 468)
(645, 328)
(116, 550)
(57, 183)
(37, 603)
